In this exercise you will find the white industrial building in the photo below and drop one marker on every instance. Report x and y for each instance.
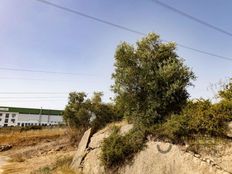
(12, 116)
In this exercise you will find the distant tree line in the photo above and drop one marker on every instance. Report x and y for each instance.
(83, 113)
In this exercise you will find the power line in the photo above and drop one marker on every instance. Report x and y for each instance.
(34, 92)
(205, 52)
(33, 79)
(90, 17)
(192, 17)
(126, 28)
(31, 97)
(30, 100)
(42, 71)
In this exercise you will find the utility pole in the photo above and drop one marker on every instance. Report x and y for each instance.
(49, 113)
(40, 117)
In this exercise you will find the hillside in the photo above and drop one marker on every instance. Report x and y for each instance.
(48, 150)
(150, 160)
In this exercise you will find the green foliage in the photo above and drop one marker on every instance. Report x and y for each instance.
(198, 118)
(116, 149)
(43, 170)
(150, 80)
(61, 165)
(205, 118)
(225, 96)
(224, 107)
(105, 113)
(174, 129)
(226, 92)
(150, 86)
(82, 112)
(208, 145)
(77, 113)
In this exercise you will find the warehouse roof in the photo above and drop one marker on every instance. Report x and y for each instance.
(31, 110)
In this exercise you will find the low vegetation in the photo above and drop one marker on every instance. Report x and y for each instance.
(116, 149)
(198, 118)
(61, 166)
(19, 138)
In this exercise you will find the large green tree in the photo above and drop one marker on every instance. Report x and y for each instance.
(150, 80)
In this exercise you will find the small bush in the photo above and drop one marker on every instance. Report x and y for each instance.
(62, 165)
(75, 135)
(205, 118)
(224, 107)
(18, 158)
(174, 129)
(116, 149)
(43, 170)
(27, 128)
(209, 145)
(63, 161)
(198, 118)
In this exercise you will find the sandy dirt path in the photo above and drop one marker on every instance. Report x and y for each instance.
(2, 162)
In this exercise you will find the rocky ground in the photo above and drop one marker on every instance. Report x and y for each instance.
(36, 151)
(156, 158)
(50, 151)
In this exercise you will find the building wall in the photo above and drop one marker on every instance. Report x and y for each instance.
(8, 119)
(33, 119)
(17, 119)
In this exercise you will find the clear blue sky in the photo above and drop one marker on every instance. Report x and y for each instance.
(39, 37)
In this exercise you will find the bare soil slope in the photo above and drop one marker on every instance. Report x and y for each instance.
(36, 150)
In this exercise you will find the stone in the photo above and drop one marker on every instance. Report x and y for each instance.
(208, 161)
(5, 147)
(81, 150)
(150, 160)
(92, 163)
(59, 148)
(98, 137)
(125, 129)
(197, 155)
(229, 134)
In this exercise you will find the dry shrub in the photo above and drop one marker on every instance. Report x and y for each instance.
(32, 137)
(75, 135)
(61, 166)
(18, 158)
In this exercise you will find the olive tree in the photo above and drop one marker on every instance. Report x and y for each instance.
(150, 80)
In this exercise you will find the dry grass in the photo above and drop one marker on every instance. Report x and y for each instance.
(74, 135)
(45, 151)
(60, 166)
(31, 137)
(58, 163)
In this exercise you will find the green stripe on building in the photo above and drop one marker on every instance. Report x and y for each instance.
(31, 110)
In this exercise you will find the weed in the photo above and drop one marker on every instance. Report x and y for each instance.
(116, 149)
